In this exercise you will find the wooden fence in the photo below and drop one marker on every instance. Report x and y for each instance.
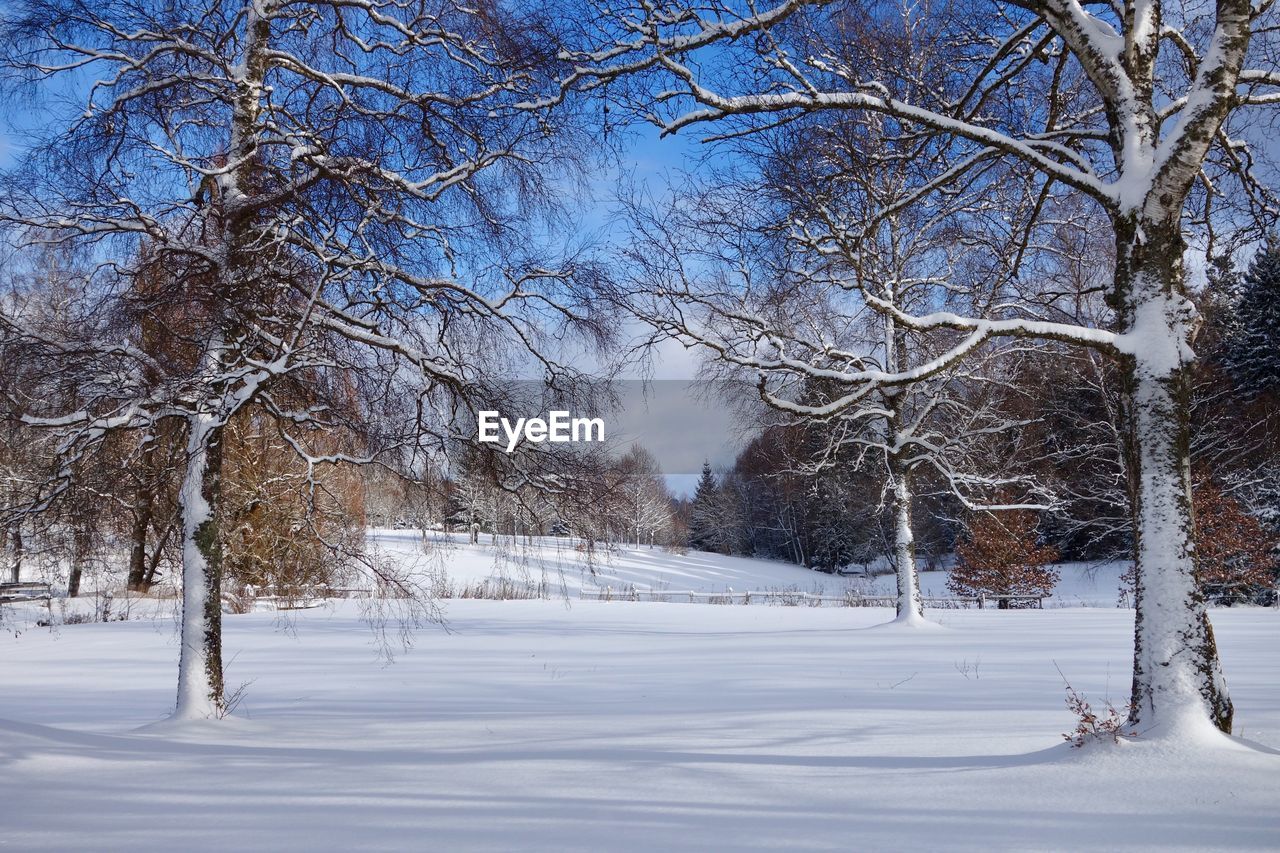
(301, 599)
(795, 598)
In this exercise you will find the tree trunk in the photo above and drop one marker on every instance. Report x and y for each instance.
(909, 606)
(1177, 679)
(15, 548)
(910, 609)
(138, 550)
(897, 354)
(153, 565)
(200, 688)
(143, 507)
(79, 556)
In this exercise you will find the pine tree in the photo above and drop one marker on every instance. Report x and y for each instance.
(832, 528)
(704, 512)
(1000, 556)
(1252, 349)
(1217, 304)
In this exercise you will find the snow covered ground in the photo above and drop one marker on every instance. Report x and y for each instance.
(581, 725)
(555, 566)
(1079, 585)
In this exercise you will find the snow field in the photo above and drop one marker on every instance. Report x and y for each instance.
(553, 565)
(583, 725)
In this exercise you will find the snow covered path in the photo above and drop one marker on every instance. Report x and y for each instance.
(546, 725)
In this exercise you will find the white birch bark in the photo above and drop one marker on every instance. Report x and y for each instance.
(910, 608)
(200, 659)
(1178, 685)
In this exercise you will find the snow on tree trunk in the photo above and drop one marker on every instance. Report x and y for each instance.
(200, 688)
(1177, 680)
(1176, 675)
(909, 607)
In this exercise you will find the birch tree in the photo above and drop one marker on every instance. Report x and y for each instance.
(786, 302)
(332, 189)
(646, 503)
(1139, 107)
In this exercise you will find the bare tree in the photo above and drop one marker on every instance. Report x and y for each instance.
(645, 500)
(1139, 108)
(786, 303)
(295, 191)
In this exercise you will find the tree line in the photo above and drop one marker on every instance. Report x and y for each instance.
(785, 498)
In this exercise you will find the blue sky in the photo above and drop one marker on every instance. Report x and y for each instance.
(680, 422)
(680, 425)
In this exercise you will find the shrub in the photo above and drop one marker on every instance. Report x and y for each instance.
(1235, 555)
(1108, 727)
(1000, 555)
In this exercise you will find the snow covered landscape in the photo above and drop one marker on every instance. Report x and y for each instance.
(639, 425)
(565, 724)
(552, 567)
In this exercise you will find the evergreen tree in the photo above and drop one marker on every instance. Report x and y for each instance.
(832, 528)
(1252, 349)
(1236, 422)
(704, 512)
